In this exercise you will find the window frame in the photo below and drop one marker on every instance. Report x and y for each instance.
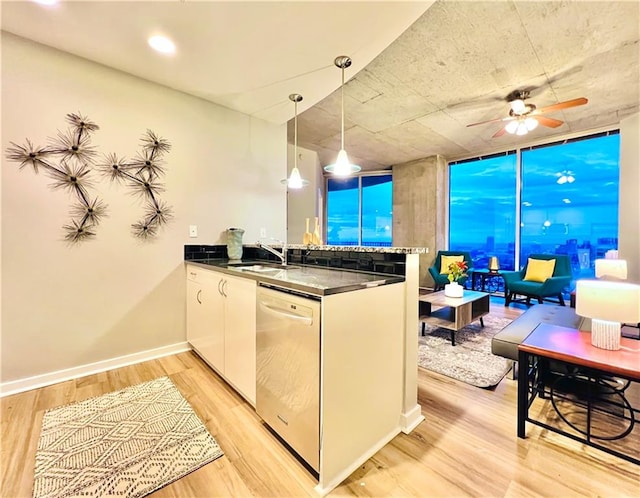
(518, 194)
(360, 176)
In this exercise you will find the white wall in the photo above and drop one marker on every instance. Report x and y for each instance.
(303, 203)
(629, 218)
(65, 306)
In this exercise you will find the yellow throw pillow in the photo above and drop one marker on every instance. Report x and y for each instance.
(445, 261)
(538, 270)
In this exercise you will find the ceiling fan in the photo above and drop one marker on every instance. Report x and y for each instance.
(524, 117)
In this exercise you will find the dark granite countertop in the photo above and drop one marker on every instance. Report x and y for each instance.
(309, 279)
(390, 250)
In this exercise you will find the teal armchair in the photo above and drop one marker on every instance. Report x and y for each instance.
(441, 279)
(550, 289)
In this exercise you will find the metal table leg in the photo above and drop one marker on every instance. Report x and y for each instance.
(523, 391)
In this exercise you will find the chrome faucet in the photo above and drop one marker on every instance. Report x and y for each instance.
(281, 255)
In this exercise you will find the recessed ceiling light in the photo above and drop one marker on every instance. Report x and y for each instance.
(46, 2)
(162, 44)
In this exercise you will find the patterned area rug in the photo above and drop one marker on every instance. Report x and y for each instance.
(126, 443)
(470, 360)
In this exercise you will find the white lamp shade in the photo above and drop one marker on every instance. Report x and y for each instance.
(608, 300)
(611, 268)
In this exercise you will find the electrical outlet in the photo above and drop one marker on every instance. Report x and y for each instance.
(193, 230)
(263, 232)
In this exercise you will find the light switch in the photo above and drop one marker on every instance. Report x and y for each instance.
(193, 230)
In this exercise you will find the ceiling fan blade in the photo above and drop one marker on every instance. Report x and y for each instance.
(550, 122)
(561, 105)
(508, 118)
(500, 132)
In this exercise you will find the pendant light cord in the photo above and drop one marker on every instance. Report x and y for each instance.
(295, 135)
(342, 94)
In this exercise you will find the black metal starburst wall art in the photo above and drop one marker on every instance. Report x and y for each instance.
(68, 161)
(142, 176)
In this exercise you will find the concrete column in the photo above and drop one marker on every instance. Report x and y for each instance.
(421, 208)
(629, 203)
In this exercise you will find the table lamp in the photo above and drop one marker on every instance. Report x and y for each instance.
(494, 265)
(611, 268)
(608, 304)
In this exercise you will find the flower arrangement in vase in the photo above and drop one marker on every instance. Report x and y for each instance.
(457, 270)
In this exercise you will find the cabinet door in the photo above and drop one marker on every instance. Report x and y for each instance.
(196, 330)
(240, 335)
(205, 316)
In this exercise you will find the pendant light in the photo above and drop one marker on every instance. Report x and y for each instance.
(295, 180)
(342, 166)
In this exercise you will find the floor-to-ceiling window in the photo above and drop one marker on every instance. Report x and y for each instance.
(565, 203)
(482, 208)
(570, 200)
(359, 210)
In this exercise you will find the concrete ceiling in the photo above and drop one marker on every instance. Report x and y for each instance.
(405, 99)
(247, 56)
(458, 62)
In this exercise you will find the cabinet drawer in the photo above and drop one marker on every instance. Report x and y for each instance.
(197, 274)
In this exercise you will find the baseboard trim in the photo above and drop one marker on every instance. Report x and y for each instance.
(411, 419)
(326, 489)
(37, 381)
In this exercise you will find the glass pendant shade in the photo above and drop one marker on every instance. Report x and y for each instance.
(295, 181)
(531, 123)
(342, 166)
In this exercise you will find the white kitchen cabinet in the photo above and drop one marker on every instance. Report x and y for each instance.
(205, 316)
(221, 325)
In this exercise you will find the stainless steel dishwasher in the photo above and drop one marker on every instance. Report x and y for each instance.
(288, 369)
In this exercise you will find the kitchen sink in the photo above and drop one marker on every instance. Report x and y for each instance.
(264, 268)
(258, 268)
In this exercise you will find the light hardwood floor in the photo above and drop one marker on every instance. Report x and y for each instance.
(467, 446)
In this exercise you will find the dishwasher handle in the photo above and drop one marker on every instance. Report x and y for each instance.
(274, 310)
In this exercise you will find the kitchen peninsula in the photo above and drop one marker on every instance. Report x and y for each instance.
(368, 347)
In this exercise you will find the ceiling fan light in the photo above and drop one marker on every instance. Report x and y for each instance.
(522, 129)
(561, 180)
(342, 166)
(511, 127)
(518, 106)
(531, 123)
(570, 179)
